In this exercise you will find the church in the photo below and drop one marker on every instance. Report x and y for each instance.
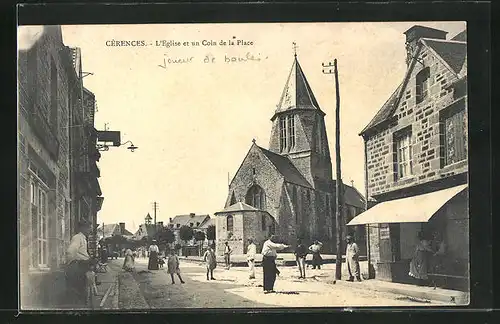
(287, 189)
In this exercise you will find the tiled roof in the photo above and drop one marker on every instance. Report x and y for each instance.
(384, 112)
(112, 229)
(147, 228)
(286, 168)
(239, 206)
(353, 197)
(297, 92)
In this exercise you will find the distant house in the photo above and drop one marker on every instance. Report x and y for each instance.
(113, 229)
(196, 222)
(147, 229)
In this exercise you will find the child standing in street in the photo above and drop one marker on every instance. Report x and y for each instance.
(173, 267)
(211, 262)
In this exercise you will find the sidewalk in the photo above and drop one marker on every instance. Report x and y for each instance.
(423, 295)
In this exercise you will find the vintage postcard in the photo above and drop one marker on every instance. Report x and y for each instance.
(243, 165)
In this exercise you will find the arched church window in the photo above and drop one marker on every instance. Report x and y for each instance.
(283, 133)
(291, 131)
(256, 197)
(229, 223)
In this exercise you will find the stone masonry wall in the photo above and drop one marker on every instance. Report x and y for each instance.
(424, 119)
(49, 50)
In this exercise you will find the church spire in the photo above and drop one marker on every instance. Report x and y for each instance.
(297, 93)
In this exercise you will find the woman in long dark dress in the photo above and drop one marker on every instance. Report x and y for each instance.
(420, 262)
(153, 256)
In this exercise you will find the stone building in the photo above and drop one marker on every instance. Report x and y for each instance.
(196, 222)
(416, 161)
(85, 189)
(286, 189)
(44, 169)
(50, 96)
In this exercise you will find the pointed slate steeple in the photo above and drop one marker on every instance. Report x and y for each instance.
(297, 93)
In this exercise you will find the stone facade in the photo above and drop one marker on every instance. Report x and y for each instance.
(43, 145)
(422, 112)
(425, 120)
(48, 194)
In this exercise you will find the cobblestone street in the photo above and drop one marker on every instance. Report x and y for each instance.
(232, 289)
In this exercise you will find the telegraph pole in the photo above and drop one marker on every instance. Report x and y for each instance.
(155, 207)
(339, 194)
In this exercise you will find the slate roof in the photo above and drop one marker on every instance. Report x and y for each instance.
(453, 52)
(461, 37)
(297, 92)
(112, 229)
(286, 168)
(190, 218)
(239, 206)
(353, 197)
(148, 228)
(384, 112)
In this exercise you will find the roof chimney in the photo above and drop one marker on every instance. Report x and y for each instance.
(122, 228)
(415, 33)
(170, 220)
(160, 224)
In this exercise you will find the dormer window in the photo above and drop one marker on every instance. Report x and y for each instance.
(178, 225)
(422, 84)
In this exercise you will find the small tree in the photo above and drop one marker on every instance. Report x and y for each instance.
(165, 236)
(186, 233)
(199, 236)
(211, 233)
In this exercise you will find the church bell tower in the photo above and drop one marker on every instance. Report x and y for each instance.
(299, 132)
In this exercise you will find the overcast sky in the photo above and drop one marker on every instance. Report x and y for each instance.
(194, 122)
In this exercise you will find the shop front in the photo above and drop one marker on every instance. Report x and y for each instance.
(442, 218)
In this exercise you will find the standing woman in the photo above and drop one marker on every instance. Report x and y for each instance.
(269, 254)
(315, 249)
(420, 262)
(153, 256)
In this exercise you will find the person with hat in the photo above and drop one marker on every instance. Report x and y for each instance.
(153, 256)
(269, 268)
(352, 258)
(78, 264)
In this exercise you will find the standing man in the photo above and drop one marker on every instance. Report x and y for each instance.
(300, 257)
(269, 255)
(251, 252)
(315, 248)
(352, 257)
(79, 262)
(227, 255)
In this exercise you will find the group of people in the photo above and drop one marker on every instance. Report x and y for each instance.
(172, 262)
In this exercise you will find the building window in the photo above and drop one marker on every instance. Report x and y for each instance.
(291, 131)
(455, 137)
(191, 224)
(233, 199)
(39, 225)
(230, 224)
(283, 133)
(178, 225)
(404, 163)
(422, 85)
(256, 197)
(263, 222)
